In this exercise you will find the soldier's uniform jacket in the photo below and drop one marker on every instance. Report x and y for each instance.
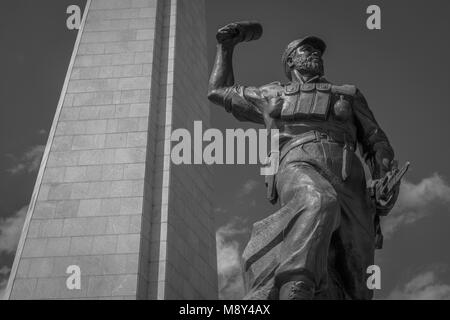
(317, 104)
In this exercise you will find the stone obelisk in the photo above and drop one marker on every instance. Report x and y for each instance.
(107, 198)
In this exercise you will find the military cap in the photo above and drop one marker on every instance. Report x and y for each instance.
(311, 40)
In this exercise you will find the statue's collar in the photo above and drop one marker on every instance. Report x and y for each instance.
(311, 80)
(314, 79)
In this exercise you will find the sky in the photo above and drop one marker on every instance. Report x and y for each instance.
(401, 69)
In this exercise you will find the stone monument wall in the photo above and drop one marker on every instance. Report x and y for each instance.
(107, 197)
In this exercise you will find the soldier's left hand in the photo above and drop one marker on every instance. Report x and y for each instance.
(384, 163)
(385, 206)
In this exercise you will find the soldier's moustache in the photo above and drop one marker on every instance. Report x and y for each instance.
(310, 65)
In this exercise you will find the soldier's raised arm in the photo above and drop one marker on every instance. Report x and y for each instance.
(376, 147)
(241, 101)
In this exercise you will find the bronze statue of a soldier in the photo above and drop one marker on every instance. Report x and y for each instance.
(321, 241)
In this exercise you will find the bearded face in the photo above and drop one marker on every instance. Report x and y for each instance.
(308, 61)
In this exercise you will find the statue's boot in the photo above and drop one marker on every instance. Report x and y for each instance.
(297, 290)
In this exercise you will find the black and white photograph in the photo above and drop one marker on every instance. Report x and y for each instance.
(210, 150)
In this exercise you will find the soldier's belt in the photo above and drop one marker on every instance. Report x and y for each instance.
(318, 136)
(296, 142)
(313, 136)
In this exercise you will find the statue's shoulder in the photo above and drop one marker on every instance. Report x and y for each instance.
(352, 92)
(345, 89)
(272, 89)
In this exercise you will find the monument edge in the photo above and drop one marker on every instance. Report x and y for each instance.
(45, 156)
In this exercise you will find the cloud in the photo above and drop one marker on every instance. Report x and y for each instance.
(4, 274)
(415, 202)
(425, 286)
(27, 162)
(247, 188)
(231, 283)
(10, 230)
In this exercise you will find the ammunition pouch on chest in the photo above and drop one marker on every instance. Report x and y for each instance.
(306, 101)
(316, 101)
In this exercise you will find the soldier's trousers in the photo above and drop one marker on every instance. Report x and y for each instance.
(324, 229)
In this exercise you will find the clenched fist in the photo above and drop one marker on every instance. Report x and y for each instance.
(236, 32)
